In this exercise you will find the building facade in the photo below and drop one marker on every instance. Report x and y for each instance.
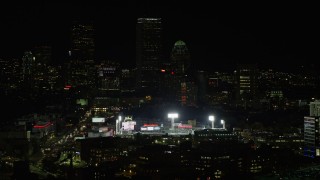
(82, 41)
(148, 54)
(311, 137)
(246, 87)
(80, 71)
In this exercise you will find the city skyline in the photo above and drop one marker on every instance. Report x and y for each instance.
(142, 90)
(218, 36)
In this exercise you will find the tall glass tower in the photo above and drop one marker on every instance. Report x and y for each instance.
(28, 63)
(180, 57)
(246, 75)
(148, 54)
(183, 87)
(81, 70)
(82, 41)
(311, 131)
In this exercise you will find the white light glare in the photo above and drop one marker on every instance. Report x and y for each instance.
(173, 115)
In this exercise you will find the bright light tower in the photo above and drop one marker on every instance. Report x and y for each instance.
(172, 116)
(223, 124)
(211, 118)
(119, 124)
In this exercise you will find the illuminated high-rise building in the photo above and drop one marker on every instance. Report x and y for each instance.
(10, 70)
(246, 79)
(180, 58)
(311, 136)
(82, 41)
(182, 86)
(188, 93)
(81, 74)
(148, 54)
(312, 131)
(43, 55)
(109, 78)
(54, 77)
(315, 108)
(28, 64)
(81, 68)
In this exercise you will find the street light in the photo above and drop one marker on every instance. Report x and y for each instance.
(223, 124)
(172, 116)
(211, 118)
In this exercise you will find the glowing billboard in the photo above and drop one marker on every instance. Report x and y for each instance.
(98, 120)
(128, 126)
(185, 126)
(150, 127)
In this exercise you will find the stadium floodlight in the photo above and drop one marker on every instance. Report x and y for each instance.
(223, 124)
(211, 118)
(173, 116)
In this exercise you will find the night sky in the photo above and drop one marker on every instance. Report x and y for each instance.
(218, 36)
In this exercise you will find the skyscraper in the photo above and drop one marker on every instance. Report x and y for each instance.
(312, 132)
(148, 54)
(43, 56)
(180, 57)
(180, 62)
(81, 70)
(246, 76)
(109, 78)
(28, 63)
(82, 41)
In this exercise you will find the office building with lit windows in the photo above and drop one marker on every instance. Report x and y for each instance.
(311, 131)
(181, 84)
(311, 137)
(246, 79)
(43, 56)
(180, 57)
(315, 108)
(10, 70)
(28, 63)
(109, 78)
(81, 70)
(148, 54)
(82, 41)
